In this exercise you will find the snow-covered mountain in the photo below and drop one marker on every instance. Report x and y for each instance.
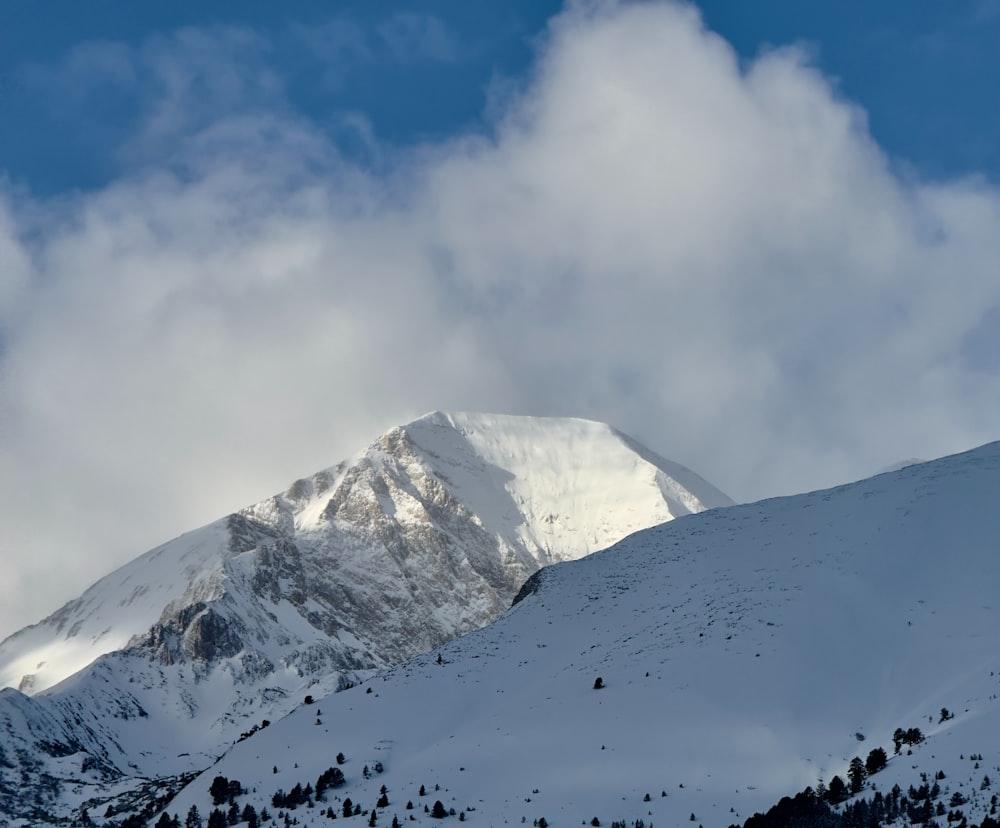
(428, 534)
(745, 654)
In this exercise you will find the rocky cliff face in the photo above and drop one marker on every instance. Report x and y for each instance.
(426, 535)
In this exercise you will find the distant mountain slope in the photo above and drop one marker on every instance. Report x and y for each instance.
(745, 654)
(427, 534)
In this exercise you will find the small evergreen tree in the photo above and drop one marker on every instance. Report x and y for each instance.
(876, 761)
(193, 819)
(857, 775)
(235, 789)
(836, 791)
(348, 807)
(219, 789)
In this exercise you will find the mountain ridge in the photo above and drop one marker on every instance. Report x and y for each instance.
(425, 535)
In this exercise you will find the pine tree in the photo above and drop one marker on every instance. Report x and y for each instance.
(836, 791)
(857, 775)
(235, 789)
(438, 811)
(219, 789)
(193, 819)
(876, 761)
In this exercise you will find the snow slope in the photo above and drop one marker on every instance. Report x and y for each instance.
(745, 654)
(427, 534)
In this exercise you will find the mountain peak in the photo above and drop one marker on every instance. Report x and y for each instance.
(426, 535)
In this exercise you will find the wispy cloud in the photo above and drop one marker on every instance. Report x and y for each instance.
(716, 258)
(344, 44)
(411, 37)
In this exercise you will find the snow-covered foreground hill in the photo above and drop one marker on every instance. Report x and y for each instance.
(161, 666)
(745, 653)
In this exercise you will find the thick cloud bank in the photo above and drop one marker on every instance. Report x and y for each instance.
(712, 256)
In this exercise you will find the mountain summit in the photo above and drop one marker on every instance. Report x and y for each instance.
(427, 534)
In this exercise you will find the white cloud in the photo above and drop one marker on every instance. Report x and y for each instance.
(715, 258)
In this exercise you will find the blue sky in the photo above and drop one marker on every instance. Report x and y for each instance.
(239, 240)
(923, 71)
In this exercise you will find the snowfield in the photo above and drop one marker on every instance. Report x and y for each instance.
(745, 653)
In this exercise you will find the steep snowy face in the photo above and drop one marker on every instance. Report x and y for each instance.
(561, 488)
(744, 654)
(120, 605)
(426, 535)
